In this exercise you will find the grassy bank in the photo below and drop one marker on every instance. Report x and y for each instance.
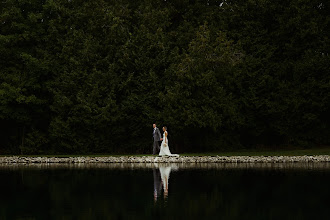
(300, 152)
(296, 152)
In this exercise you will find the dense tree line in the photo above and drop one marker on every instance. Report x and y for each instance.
(92, 76)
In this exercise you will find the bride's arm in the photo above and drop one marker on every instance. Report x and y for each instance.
(165, 137)
(160, 136)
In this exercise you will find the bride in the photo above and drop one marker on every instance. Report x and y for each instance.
(164, 149)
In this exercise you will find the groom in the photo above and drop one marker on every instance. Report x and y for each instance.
(156, 136)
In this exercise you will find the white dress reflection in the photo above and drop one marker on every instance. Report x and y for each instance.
(161, 179)
(165, 175)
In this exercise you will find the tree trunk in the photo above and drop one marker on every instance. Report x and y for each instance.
(23, 139)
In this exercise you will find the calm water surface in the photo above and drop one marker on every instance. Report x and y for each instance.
(173, 191)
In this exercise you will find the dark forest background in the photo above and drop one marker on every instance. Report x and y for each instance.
(92, 76)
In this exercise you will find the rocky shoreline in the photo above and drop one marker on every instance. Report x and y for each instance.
(152, 159)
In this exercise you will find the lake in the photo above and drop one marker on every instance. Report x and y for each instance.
(165, 191)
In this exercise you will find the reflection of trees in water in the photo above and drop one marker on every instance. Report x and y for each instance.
(173, 166)
(116, 191)
(62, 193)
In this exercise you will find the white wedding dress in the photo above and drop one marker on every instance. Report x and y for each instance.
(164, 149)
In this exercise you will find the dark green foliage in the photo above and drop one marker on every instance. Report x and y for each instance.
(92, 76)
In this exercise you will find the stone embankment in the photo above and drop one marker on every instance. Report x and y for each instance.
(152, 159)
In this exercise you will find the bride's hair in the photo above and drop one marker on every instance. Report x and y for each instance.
(165, 128)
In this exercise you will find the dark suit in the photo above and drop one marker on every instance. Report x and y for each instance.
(156, 138)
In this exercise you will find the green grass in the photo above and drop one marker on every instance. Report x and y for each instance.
(296, 152)
(266, 153)
(78, 155)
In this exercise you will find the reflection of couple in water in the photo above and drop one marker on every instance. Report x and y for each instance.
(161, 176)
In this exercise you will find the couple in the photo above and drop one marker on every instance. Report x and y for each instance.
(164, 149)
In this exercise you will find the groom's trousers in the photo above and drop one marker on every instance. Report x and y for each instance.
(155, 147)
